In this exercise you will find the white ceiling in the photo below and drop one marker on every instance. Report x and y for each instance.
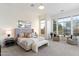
(50, 8)
(57, 7)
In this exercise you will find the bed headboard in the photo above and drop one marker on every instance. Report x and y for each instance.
(18, 31)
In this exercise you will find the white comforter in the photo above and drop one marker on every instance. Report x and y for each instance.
(25, 41)
(29, 41)
(32, 43)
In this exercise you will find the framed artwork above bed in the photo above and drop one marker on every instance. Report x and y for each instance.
(24, 24)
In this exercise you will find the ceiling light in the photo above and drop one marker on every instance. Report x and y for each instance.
(32, 5)
(61, 10)
(41, 7)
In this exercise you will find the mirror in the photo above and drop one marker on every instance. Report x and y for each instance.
(42, 27)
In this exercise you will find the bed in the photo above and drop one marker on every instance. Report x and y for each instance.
(26, 42)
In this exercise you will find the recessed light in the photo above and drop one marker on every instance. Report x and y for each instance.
(41, 7)
(32, 5)
(61, 10)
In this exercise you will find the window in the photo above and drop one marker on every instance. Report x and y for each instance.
(54, 26)
(61, 27)
(76, 25)
(67, 26)
(64, 26)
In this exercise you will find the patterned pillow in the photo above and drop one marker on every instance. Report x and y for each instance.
(27, 35)
(22, 35)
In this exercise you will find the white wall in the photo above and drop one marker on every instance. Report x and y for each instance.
(11, 13)
(9, 17)
(10, 21)
(48, 28)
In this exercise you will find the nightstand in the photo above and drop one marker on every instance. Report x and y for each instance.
(9, 42)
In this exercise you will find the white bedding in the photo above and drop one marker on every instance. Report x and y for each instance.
(25, 41)
(31, 43)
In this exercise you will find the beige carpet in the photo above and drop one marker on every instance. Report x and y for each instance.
(54, 49)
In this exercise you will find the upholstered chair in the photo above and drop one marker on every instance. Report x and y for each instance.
(72, 41)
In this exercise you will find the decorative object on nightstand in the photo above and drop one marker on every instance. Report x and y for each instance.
(9, 41)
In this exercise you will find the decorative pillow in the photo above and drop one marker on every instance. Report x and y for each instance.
(22, 35)
(27, 35)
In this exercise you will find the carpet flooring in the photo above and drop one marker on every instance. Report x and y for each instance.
(54, 49)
